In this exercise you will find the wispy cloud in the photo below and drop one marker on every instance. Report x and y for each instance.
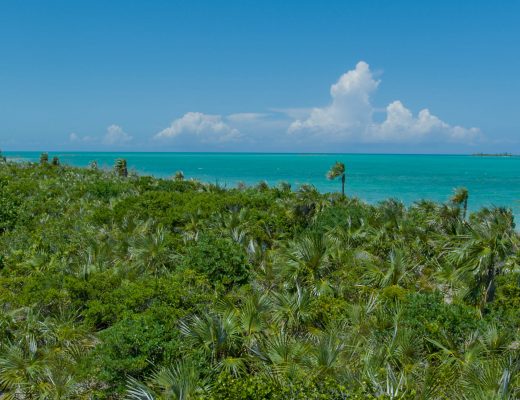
(247, 117)
(75, 138)
(115, 136)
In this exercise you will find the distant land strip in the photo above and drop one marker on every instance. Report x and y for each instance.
(494, 155)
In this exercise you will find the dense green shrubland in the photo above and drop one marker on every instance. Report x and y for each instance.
(115, 286)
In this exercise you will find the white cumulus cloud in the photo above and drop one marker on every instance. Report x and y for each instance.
(400, 124)
(116, 135)
(204, 128)
(349, 116)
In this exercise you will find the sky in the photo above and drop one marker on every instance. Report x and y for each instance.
(260, 76)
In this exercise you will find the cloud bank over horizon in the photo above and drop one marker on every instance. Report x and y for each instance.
(114, 136)
(347, 119)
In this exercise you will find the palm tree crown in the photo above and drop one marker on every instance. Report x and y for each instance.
(460, 197)
(44, 158)
(121, 167)
(337, 170)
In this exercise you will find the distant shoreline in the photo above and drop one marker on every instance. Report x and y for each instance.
(11, 153)
(494, 155)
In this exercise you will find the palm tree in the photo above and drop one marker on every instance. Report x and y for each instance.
(460, 197)
(191, 230)
(326, 352)
(307, 204)
(493, 379)
(44, 158)
(262, 186)
(234, 223)
(305, 259)
(179, 176)
(218, 335)
(120, 167)
(180, 381)
(291, 311)
(449, 280)
(337, 170)
(40, 360)
(20, 370)
(396, 272)
(149, 252)
(284, 187)
(284, 357)
(484, 252)
(252, 317)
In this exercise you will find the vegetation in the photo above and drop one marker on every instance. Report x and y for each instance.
(55, 161)
(44, 158)
(120, 168)
(336, 171)
(116, 286)
(460, 198)
(493, 155)
(179, 176)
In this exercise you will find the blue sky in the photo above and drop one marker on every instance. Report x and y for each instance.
(331, 76)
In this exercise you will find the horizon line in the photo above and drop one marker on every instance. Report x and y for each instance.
(497, 154)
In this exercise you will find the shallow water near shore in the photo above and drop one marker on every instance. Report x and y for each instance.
(371, 177)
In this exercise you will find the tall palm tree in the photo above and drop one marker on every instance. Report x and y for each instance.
(284, 187)
(337, 170)
(44, 158)
(179, 176)
(460, 198)
(121, 167)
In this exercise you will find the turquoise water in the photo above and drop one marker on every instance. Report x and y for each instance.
(371, 177)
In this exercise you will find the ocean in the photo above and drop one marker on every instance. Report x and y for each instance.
(491, 181)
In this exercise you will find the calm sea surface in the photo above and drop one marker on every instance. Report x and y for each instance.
(371, 177)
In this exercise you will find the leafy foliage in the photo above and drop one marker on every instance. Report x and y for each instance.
(114, 286)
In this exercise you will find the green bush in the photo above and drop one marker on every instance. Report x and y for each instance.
(430, 317)
(222, 260)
